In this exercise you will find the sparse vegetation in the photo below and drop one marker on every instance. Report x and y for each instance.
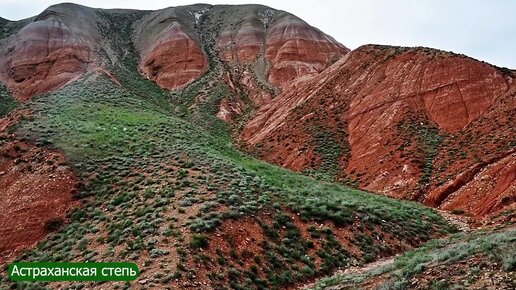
(161, 181)
(427, 143)
(460, 254)
(155, 173)
(6, 102)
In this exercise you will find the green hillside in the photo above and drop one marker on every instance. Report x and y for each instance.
(158, 190)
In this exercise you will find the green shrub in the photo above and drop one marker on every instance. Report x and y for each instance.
(198, 241)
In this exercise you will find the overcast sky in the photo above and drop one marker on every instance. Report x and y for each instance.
(485, 30)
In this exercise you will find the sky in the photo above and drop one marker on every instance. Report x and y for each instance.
(485, 30)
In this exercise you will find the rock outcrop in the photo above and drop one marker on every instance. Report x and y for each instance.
(244, 43)
(170, 52)
(291, 49)
(296, 50)
(263, 49)
(52, 49)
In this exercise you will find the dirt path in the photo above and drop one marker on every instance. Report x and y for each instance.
(367, 267)
(356, 270)
(461, 222)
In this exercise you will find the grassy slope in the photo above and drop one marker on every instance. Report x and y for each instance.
(7, 103)
(156, 187)
(142, 167)
(485, 258)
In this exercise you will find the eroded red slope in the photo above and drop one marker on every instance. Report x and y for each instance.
(52, 49)
(251, 45)
(269, 50)
(293, 49)
(170, 52)
(401, 122)
(36, 191)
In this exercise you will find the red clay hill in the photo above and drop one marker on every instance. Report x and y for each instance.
(48, 50)
(264, 46)
(411, 123)
(250, 45)
(37, 189)
(254, 46)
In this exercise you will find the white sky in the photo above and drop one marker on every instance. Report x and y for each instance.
(485, 30)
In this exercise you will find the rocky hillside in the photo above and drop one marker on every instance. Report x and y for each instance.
(46, 51)
(119, 132)
(411, 123)
(257, 45)
(98, 163)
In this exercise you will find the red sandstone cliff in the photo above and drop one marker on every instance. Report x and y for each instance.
(251, 46)
(260, 49)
